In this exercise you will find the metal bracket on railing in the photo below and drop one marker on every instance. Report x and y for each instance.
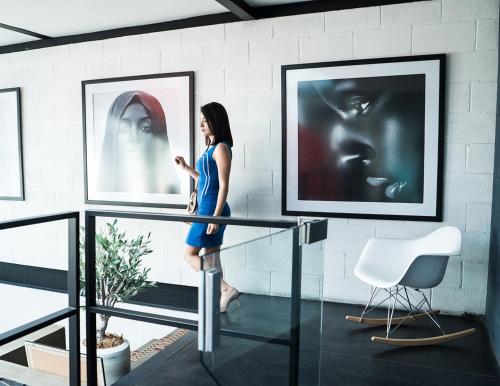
(209, 310)
(201, 312)
(313, 231)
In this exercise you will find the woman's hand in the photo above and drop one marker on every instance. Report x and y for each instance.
(181, 162)
(212, 228)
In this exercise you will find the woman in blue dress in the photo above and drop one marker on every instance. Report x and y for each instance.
(212, 176)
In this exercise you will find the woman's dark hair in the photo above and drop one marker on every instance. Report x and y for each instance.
(218, 122)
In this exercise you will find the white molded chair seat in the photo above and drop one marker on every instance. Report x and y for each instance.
(392, 266)
(417, 263)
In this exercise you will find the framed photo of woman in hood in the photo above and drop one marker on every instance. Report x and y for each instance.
(133, 128)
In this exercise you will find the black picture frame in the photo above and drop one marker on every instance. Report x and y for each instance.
(302, 200)
(15, 162)
(153, 84)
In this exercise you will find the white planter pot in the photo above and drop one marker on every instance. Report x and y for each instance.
(116, 361)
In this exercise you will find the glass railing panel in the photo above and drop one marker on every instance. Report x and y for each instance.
(252, 337)
(260, 324)
(273, 334)
(311, 314)
(260, 270)
(170, 281)
(160, 276)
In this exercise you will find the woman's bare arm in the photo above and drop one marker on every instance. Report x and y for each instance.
(222, 157)
(184, 166)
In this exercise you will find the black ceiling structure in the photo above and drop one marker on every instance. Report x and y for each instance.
(238, 10)
(24, 31)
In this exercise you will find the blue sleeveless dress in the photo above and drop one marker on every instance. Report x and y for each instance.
(208, 190)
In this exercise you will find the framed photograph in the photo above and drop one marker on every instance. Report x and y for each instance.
(11, 153)
(134, 127)
(364, 138)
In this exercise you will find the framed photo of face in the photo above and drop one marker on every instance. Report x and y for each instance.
(364, 138)
(134, 127)
(11, 154)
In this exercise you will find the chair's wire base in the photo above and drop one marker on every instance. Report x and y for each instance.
(409, 301)
(415, 302)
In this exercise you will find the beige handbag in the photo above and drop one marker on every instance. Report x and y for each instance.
(192, 206)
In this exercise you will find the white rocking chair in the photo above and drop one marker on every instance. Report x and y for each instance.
(401, 268)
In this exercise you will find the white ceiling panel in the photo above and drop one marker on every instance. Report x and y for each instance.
(62, 17)
(10, 37)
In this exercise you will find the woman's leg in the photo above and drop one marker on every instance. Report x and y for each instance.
(212, 259)
(191, 255)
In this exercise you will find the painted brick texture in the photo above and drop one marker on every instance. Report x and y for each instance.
(238, 64)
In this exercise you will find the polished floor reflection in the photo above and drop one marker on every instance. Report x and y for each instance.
(347, 356)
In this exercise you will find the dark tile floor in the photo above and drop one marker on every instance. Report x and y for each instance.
(342, 355)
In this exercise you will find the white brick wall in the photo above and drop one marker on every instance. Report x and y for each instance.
(352, 19)
(468, 66)
(238, 64)
(478, 217)
(280, 51)
(458, 97)
(202, 35)
(248, 78)
(487, 35)
(470, 128)
(293, 26)
(462, 10)
(480, 158)
(411, 14)
(455, 158)
(454, 37)
(483, 97)
(161, 41)
(325, 47)
(226, 55)
(383, 42)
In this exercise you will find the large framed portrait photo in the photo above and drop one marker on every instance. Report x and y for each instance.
(364, 138)
(11, 155)
(133, 129)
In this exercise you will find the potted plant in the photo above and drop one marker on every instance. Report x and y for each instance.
(119, 276)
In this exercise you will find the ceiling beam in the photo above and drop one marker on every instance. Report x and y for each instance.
(199, 21)
(289, 9)
(240, 8)
(24, 31)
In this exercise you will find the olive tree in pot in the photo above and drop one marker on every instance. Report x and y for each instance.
(119, 276)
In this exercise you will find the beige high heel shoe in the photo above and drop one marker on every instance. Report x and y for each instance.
(228, 297)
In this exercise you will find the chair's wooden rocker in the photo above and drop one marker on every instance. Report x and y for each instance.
(401, 268)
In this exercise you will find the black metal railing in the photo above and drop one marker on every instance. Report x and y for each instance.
(90, 276)
(72, 311)
(316, 229)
